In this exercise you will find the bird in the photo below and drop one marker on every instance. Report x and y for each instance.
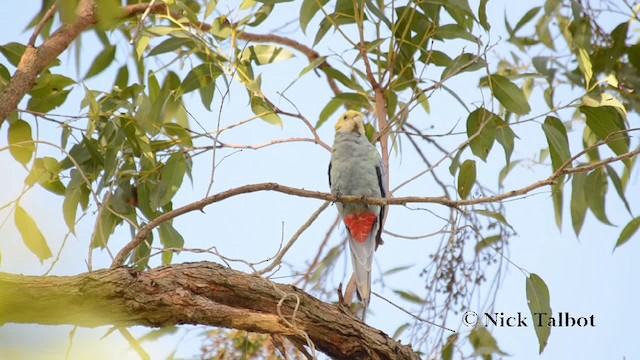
(357, 169)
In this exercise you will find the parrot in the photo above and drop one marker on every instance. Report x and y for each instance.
(357, 169)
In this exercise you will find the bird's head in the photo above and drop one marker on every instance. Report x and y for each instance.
(351, 121)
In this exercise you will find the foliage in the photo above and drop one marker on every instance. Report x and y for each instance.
(127, 154)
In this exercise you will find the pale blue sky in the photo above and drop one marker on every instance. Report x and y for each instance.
(584, 278)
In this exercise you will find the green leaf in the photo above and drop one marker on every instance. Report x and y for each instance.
(140, 257)
(464, 62)
(528, 16)
(605, 120)
(483, 343)
(482, 140)
(102, 61)
(482, 17)
(578, 201)
(400, 330)
(172, 176)
(539, 303)
(585, 65)
(424, 101)
(509, 95)
(557, 197)
(21, 145)
(200, 76)
(453, 31)
(74, 194)
(410, 297)
(312, 65)
(353, 100)
(109, 13)
(466, 178)
(487, 242)
(13, 51)
(494, 215)
(265, 111)
(506, 137)
(105, 225)
(617, 183)
(44, 171)
(170, 239)
(558, 141)
(308, 10)
(628, 232)
(265, 54)
(397, 269)
(596, 188)
(31, 234)
(506, 170)
(170, 45)
(332, 106)
(179, 133)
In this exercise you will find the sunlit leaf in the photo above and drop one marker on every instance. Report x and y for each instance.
(265, 111)
(308, 10)
(585, 66)
(539, 303)
(483, 343)
(20, 141)
(265, 54)
(31, 234)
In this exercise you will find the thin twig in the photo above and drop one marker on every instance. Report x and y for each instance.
(45, 19)
(278, 259)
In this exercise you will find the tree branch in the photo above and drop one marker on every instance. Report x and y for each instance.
(194, 293)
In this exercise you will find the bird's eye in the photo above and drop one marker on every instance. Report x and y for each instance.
(345, 117)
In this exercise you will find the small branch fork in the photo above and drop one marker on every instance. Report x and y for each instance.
(144, 231)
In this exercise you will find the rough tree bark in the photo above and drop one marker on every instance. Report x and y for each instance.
(193, 293)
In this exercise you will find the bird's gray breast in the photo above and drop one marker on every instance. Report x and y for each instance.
(353, 168)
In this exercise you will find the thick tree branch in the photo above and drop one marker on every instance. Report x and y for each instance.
(195, 293)
(37, 59)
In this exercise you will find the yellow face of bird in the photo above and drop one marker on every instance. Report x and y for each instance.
(351, 121)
